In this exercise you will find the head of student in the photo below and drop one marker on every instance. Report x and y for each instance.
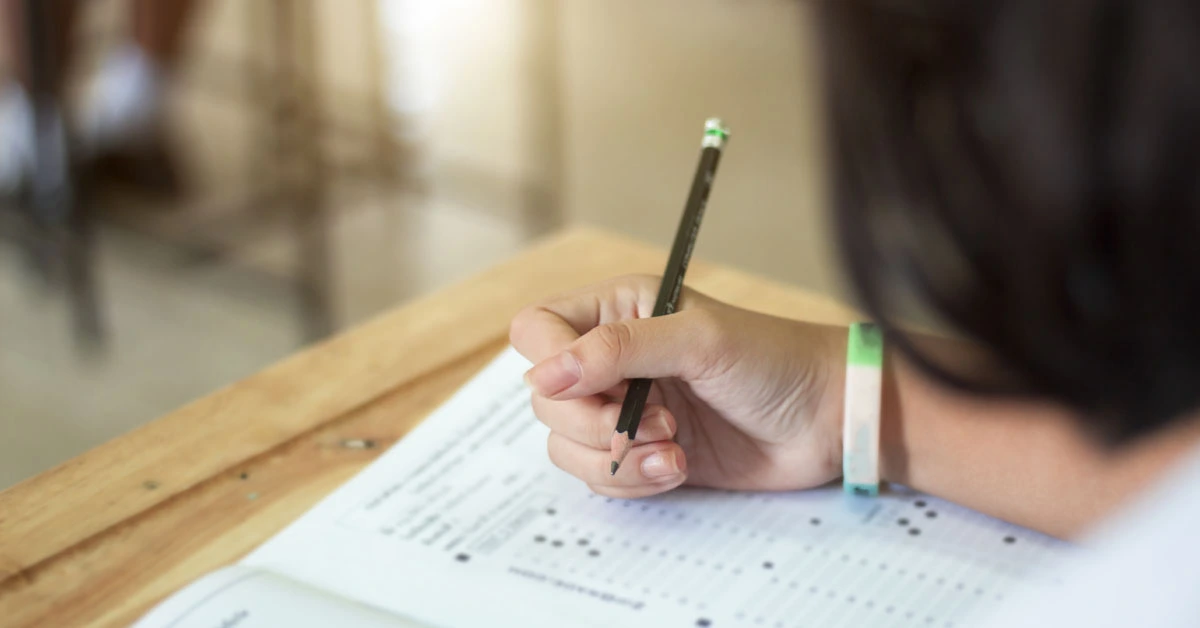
(1027, 173)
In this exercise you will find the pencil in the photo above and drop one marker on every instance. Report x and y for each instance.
(715, 136)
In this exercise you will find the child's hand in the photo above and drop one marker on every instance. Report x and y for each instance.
(741, 400)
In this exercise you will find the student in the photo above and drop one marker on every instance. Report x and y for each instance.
(1026, 173)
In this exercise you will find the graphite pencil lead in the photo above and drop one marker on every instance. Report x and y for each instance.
(621, 444)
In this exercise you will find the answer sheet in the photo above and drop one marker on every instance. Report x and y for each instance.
(465, 522)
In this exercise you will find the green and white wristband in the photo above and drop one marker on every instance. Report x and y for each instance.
(860, 420)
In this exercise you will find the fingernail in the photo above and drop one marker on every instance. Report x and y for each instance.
(554, 375)
(659, 465)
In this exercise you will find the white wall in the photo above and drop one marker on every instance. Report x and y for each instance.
(639, 80)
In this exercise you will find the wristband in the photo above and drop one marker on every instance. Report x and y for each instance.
(860, 420)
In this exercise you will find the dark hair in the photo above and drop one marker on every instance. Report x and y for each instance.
(1029, 171)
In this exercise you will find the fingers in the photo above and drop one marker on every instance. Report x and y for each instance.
(687, 345)
(585, 346)
(590, 421)
(649, 469)
(581, 433)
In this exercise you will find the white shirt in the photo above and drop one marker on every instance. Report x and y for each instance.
(1141, 568)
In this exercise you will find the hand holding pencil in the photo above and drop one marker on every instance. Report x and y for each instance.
(672, 371)
(739, 400)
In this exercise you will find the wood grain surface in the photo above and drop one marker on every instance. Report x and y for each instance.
(102, 538)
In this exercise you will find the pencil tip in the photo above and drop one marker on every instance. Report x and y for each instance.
(612, 470)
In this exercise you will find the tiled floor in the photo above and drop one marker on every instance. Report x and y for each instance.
(179, 331)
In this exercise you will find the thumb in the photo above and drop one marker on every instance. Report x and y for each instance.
(684, 345)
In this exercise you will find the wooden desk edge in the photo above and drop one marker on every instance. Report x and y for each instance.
(136, 471)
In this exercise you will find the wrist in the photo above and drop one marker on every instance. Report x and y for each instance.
(893, 452)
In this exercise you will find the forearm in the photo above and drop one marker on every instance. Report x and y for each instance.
(1022, 462)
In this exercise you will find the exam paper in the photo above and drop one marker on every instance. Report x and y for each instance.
(466, 523)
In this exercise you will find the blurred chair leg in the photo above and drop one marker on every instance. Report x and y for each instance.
(301, 138)
(58, 208)
(82, 284)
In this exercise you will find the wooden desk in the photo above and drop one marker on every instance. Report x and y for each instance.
(101, 538)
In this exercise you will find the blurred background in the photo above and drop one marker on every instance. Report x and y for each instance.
(192, 190)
